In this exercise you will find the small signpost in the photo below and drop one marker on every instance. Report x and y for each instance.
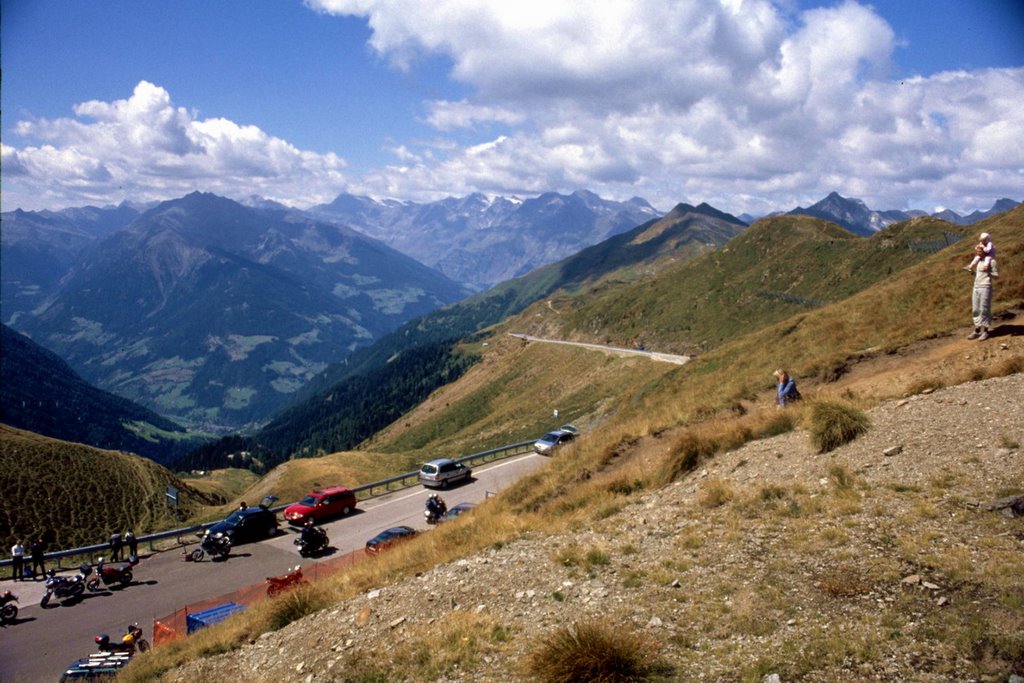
(171, 494)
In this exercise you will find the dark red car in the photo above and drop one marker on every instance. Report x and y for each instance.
(321, 504)
(388, 538)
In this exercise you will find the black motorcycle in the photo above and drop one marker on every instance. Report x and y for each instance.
(8, 610)
(118, 574)
(311, 541)
(65, 588)
(215, 545)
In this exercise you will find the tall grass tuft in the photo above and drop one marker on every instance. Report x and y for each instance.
(689, 451)
(834, 424)
(295, 604)
(595, 652)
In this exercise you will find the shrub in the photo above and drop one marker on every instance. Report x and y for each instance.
(593, 651)
(834, 424)
(295, 604)
(686, 456)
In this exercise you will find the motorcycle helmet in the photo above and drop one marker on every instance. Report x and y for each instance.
(102, 639)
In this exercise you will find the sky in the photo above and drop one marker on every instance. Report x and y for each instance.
(750, 105)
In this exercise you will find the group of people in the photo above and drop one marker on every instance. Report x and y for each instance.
(983, 266)
(21, 557)
(118, 543)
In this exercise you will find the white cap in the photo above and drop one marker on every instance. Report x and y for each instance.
(984, 236)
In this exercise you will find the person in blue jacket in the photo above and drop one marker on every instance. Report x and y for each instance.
(787, 391)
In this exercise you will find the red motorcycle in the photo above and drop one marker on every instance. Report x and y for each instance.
(8, 611)
(278, 584)
(119, 574)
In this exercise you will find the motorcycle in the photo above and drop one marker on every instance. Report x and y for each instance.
(8, 611)
(65, 587)
(131, 641)
(434, 510)
(312, 541)
(216, 545)
(278, 584)
(119, 574)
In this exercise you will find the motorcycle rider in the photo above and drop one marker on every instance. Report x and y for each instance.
(436, 506)
(311, 536)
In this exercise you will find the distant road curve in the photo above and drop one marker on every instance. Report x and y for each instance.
(653, 355)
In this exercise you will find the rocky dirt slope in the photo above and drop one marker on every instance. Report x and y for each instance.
(877, 561)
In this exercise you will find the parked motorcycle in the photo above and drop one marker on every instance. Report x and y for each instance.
(8, 610)
(119, 574)
(131, 641)
(311, 541)
(65, 587)
(278, 584)
(215, 545)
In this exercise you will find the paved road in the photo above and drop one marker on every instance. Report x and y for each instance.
(45, 641)
(653, 355)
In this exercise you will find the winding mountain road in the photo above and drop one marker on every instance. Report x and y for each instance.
(617, 350)
(43, 642)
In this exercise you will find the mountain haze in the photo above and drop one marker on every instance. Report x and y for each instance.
(482, 241)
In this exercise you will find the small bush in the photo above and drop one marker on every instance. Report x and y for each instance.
(716, 493)
(835, 424)
(594, 652)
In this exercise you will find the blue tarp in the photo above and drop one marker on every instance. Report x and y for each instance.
(214, 615)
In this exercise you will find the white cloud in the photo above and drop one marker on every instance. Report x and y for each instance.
(735, 102)
(144, 148)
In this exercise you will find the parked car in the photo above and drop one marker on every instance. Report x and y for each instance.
(442, 472)
(250, 524)
(552, 440)
(456, 510)
(321, 504)
(388, 538)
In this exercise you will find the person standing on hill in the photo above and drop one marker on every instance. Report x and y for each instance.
(981, 295)
(786, 391)
(17, 561)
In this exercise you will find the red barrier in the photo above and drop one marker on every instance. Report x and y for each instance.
(174, 625)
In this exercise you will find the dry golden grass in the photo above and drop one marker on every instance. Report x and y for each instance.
(599, 652)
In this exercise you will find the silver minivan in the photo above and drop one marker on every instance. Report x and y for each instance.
(442, 472)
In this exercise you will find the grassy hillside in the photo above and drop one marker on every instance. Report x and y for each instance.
(350, 403)
(74, 495)
(779, 266)
(770, 567)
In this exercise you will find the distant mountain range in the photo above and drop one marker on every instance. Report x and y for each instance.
(855, 216)
(213, 313)
(216, 313)
(481, 241)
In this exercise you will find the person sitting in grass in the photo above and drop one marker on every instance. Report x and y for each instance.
(786, 390)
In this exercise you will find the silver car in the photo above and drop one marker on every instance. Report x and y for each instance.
(442, 472)
(552, 440)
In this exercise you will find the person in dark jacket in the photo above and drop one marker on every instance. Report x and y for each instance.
(115, 547)
(38, 559)
(132, 543)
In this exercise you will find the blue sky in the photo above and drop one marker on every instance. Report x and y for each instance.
(750, 105)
